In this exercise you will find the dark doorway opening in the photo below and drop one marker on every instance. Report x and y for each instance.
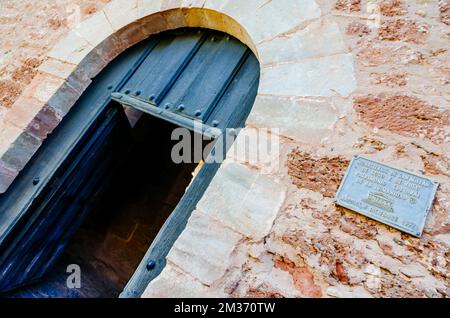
(186, 77)
(138, 198)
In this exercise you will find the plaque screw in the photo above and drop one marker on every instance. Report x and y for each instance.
(36, 180)
(167, 106)
(152, 98)
(127, 91)
(180, 108)
(198, 113)
(137, 93)
(110, 87)
(151, 264)
(215, 123)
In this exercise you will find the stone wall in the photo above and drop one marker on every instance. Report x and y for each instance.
(338, 78)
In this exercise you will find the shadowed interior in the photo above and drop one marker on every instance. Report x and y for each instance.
(140, 196)
(197, 75)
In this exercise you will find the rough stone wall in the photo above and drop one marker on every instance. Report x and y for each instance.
(375, 78)
(399, 114)
(29, 30)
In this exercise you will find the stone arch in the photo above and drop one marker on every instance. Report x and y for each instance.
(296, 65)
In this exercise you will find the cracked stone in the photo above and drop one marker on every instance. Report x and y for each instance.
(243, 199)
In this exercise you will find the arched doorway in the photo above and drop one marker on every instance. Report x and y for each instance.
(177, 79)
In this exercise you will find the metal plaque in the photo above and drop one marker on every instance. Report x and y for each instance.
(392, 196)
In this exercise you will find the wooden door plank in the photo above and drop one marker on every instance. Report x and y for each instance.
(205, 77)
(163, 66)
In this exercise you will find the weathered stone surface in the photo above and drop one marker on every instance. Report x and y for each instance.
(78, 76)
(396, 113)
(9, 133)
(307, 121)
(357, 28)
(327, 76)
(21, 151)
(120, 13)
(348, 5)
(57, 68)
(403, 114)
(71, 49)
(7, 176)
(191, 252)
(261, 278)
(29, 31)
(172, 283)
(243, 199)
(303, 279)
(390, 79)
(43, 123)
(375, 54)
(170, 4)
(44, 86)
(354, 265)
(195, 18)
(403, 30)
(23, 111)
(284, 15)
(26, 71)
(193, 3)
(9, 91)
(257, 148)
(131, 34)
(436, 164)
(147, 7)
(175, 18)
(304, 43)
(21, 75)
(322, 175)
(155, 23)
(444, 10)
(95, 29)
(391, 8)
(62, 100)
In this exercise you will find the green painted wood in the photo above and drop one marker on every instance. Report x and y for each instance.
(213, 76)
(230, 111)
(169, 233)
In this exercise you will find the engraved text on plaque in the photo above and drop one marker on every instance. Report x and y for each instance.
(395, 197)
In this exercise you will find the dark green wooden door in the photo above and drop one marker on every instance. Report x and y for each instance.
(190, 75)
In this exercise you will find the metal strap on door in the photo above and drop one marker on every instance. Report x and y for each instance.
(199, 77)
